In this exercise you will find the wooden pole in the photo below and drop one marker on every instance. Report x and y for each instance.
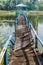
(6, 58)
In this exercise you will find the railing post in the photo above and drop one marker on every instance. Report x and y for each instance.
(6, 58)
(36, 42)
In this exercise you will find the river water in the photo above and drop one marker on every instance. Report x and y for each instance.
(6, 29)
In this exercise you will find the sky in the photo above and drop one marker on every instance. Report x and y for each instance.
(40, 0)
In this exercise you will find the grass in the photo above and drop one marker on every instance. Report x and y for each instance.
(7, 13)
(2, 63)
(13, 13)
(34, 13)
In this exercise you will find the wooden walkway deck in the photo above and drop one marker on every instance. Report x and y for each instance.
(24, 57)
(23, 53)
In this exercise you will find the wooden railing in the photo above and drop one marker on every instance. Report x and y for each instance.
(4, 53)
(37, 38)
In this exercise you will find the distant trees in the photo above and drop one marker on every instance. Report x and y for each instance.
(7, 4)
(33, 3)
(40, 5)
(10, 4)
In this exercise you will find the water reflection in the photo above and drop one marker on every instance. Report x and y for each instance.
(37, 22)
(6, 29)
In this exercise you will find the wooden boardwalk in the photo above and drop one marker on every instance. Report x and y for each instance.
(24, 57)
(23, 49)
(23, 53)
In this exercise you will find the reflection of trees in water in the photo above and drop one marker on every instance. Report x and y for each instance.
(41, 19)
(0, 24)
(6, 28)
(7, 17)
(34, 21)
(10, 24)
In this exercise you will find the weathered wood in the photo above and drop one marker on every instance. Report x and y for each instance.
(24, 57)
(23, 34)
(4, 49)
(38, 59)
(38, 38)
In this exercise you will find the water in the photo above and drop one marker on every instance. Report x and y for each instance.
(6, 29)
(37, 22)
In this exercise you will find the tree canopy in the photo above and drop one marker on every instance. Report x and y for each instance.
(10, 4)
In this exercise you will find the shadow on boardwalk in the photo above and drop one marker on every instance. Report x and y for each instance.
(25, 55)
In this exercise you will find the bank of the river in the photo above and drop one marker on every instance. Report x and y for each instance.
(13, 13)
(34, 13)
(7, 13)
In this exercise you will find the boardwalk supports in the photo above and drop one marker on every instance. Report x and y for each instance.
(36, 42)
(6, 58)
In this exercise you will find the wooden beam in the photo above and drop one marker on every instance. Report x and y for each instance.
(4, 49)
(35, 51)
(38, 38)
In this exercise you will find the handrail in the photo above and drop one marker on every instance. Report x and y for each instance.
(41, 42)
(4, 49)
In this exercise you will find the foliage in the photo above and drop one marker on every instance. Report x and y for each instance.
(40, 6)
(10, 4)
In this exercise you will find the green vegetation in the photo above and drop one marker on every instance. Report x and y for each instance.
(34, 13)
(2, 42)
(10, 4)
(7, 7)
(13, 13)
(7, 13)
(2, 63)
(7, 4)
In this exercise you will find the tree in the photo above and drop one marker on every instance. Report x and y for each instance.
(12, 4)
(33, 3)
(7, 5)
